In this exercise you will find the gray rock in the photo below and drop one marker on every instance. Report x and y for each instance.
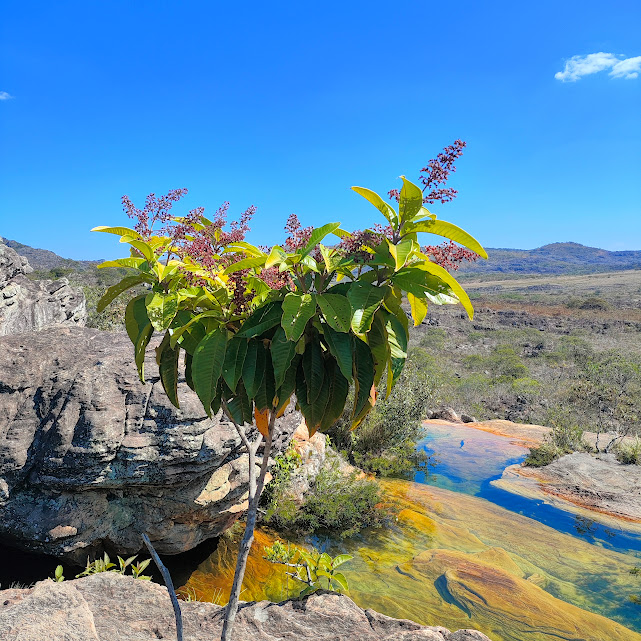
(90, 457)
(466, 418)
(27, 305)
(108, 605)
(446, 414)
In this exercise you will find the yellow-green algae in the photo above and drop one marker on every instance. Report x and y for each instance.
(462, 562)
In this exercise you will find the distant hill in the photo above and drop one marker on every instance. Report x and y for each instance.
(556, 258)
(45, 260)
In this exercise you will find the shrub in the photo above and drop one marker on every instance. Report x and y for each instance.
(629, 453)
(542, 455)
(337, 502)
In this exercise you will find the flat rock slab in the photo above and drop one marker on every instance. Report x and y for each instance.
(109, 607)
(596, 484)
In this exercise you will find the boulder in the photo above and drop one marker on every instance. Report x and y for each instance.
(466, 418)
(108, 605)
(90, 457)
(31, 305)
(446, 414)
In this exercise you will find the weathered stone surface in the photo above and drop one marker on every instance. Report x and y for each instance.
(90, 457)
(445, 414)
(107, 606)
(27, 305)
(597, 486)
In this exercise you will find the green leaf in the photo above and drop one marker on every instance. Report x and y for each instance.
(261, 320)
(400, 252)
(385, 208)
(340, 559)
(363, 375)
(182, 328)
(139, 349)
(288, 386)
(340, 346)
(161, 309)
(254, 367)
(339, 389)
(447, 230)
(282, 352)
(410, 201)
(266, 392)
(136, 318)
(207, 366)
(365, 299)
(277, 255)
(336, 310)
(188, 377)
(378, 344)
(298, 309)
(119, 231)
(445, 276)
(245, 263)
(234, 361)
(317, 235)
(418, 304)
(167, 359)
(397, 338)
(339, 577)
(115, 290)
(313, 369)
(240, 407)
(132, 263)
(314, 411)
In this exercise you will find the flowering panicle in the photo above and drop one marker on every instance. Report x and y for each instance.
(298, 235)
(155, 210)
(449, 255)
(353, 246)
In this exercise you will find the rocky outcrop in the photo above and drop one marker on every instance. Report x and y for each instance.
(27, 305)
(98, 607)
(90, 457)
(596, 486)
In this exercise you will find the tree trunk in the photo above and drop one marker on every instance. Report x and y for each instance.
(255, 489)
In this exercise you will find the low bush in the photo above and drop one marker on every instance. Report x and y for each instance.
(629, 453)
(336, 502)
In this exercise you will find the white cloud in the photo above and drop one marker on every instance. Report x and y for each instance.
(620, 67)
(4, 95)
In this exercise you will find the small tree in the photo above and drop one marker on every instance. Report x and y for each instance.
(259, 326)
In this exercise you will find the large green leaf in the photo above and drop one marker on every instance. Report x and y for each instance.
(132, 263)
(312, 411)
(136, 318)
(410, 200)
(261, 320)
(187, 322)
(189, 359)
(378, 344)
(397, 339)
(161, 309)
(119, 231)
(115, 290)
(276, 256)
(254, 367)
(245, 263)
(447, 230)
(418, 305)
(167, 359)
(264, 398)
(313, 369)
(400, 252)
(288, 385)
(139, 349)
(445, 276)
(340, 346)
(283, 352)
(207, 366)
(365, 299)
(240, 407)
(317, 235)
(363, 375)
(298, 309)
(234, 361)
(336, 310)
(385, 208)
(339, 388)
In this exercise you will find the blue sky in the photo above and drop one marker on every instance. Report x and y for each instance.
(286, 105)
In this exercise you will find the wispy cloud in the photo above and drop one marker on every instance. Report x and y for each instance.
(620, 66)
(5, 95)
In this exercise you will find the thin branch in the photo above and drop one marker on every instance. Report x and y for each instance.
(170, 587)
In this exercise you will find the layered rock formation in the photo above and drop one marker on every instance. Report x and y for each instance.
(97, 607)
(90, 457)
(27, 305)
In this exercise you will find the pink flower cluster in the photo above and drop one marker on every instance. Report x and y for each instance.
(298, 235)
(449, 255)
(437, 172)
(155, 210)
